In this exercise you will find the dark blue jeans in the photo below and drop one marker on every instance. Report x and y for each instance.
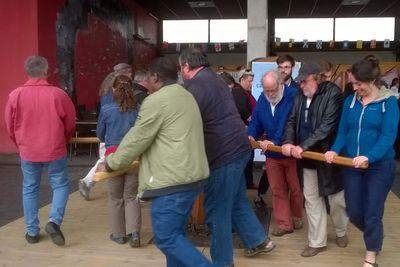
(169, 215)
(226, 206)
(365, 193)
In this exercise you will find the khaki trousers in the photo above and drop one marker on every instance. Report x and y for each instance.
(317, 214)
(124, 207)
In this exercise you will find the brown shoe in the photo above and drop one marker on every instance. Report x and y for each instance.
(342, 241)
(281, 232)
(311, 252)
(297, 224)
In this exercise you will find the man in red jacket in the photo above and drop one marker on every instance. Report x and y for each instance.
(40, 119)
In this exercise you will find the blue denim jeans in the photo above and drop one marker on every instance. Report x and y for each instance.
(169, 215)
(365, 194)
(59, 182)
(226, 206)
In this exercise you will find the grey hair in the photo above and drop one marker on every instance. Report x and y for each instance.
(278, 77)
(36, 66)
(140, 76)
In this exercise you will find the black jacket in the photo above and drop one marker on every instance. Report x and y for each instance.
(326, 108)
(242, 103)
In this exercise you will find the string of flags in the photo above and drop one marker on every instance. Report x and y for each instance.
(319, 44)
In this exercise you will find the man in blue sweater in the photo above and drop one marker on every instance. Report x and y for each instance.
(269, 117)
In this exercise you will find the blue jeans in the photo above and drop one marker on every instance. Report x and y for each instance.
(59, 182)
(365, 194)
(226, 206)
(169, 215)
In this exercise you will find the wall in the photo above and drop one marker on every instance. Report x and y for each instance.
(19, 28)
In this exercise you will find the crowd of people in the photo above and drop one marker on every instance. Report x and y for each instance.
(195, 137)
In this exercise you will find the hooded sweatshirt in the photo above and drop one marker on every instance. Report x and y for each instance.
(369, 130)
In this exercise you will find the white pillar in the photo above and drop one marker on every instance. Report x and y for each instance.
(257, 29)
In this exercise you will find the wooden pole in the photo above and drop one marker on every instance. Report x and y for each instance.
(98, 176)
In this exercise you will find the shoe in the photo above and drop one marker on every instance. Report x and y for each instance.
(281, 232)
(134, 240)
(297, 224)
(32, 239)
(84, 190)
(311, 252)
(55, 233)
(342, 241)
(120, 240)
(264, 247)
(373, 264)
(259, 203)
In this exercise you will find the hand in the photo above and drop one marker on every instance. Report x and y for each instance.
(251, 138)
(296, 152)
(264, 144)
(360, 162)
(286, 149)
(101, 167)
(329, 155)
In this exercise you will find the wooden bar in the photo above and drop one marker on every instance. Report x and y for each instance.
(84, 140)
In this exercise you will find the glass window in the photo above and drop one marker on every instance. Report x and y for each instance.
(185, 31)
(228, 30)
(353, 29)
(312, 29)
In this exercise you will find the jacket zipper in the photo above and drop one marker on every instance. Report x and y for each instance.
(359, 130)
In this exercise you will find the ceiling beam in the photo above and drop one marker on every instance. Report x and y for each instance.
(169, 9)
(241, 9)
(289, 7)
(388, 7)
(314, 7)
(218, 10)
(194, 11)
(337, 9)
(361, 9)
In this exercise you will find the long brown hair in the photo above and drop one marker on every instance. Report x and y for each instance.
(123, 93)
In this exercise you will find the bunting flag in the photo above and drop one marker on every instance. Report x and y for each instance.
(291, 43)
(191, 45)
(373, 44)
(386, 43)
(305, 43)
(178, 47)
(277, 42)
(218, 47)
(231, 46)
(203, 47)
(331, 44)
(345, 44)
(359, 44)
(165, 45)
(318, 44)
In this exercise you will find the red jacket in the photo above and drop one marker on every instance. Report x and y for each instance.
(40, 119)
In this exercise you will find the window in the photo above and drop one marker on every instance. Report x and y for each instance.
(353, 29)
(185, 31)
(312, 29)
(228, 30)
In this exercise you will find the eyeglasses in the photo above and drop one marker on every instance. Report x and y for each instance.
(284, 67)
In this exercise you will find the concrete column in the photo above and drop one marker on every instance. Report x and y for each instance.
(257, 29)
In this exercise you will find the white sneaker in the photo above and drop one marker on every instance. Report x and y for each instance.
(84, 190)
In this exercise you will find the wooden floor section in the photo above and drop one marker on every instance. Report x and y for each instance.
(86, 229)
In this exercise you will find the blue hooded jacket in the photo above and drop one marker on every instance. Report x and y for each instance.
(368, 131)
(262, 119)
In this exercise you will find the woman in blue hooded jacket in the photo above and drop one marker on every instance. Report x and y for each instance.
(367, 131)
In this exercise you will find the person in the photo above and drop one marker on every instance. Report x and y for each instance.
(228, 151)
(285, 66)
(312, 125)
(367, 131)
(394, 87)
(169, 139)
(140, 92)
(326, 69)
(269, 117)
(115, 120)
(40, 120)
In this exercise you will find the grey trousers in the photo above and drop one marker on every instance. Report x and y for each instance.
(124, 207)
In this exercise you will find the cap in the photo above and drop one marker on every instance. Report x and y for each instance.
(245, 72)
(121, 66)
(306, 69)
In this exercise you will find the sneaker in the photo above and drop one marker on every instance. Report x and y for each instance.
(281, 232)
(55, 233)
(32, 239)
(84, 190)
(311, 252)
(259, 203)
(297, 224)
(134, 240)
(342, 241)
(120, 240)
(264, 247)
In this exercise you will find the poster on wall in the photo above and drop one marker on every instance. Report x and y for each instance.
(259, 68)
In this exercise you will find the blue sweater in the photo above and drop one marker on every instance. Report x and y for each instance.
(262, 119)
(368, 131)
(114, 124)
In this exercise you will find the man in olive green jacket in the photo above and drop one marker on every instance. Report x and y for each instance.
(168, 137)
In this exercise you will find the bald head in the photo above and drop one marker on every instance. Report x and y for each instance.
(272, 83)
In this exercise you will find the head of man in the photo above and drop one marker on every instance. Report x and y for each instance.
(309, 78)
(272, 83)
(326, 69)
(36, 67)
(191, 61)
(142, 78)
(285, 65)
(123, 69)
(161, 70)
(246, 80)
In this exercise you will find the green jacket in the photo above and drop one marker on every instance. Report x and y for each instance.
(168, 137)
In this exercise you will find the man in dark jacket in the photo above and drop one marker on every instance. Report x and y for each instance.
(228, 151)
(312, 125)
